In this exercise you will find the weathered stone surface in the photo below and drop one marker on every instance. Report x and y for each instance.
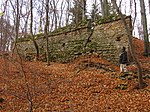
(106, 41)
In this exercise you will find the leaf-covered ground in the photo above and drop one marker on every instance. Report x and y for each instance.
(88, 84)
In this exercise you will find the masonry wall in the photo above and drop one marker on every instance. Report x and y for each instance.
(106, 41)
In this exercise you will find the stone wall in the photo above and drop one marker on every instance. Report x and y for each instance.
(106, 41)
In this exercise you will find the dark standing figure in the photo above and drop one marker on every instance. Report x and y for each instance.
(123, 60)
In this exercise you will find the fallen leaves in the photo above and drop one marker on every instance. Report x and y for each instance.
(86, 84)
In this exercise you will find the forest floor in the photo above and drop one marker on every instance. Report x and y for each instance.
(88, 84)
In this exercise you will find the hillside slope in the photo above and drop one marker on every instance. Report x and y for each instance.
(88, 84)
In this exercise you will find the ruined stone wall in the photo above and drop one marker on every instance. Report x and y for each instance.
(106, 41)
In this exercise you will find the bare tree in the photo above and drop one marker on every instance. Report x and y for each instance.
(31, 31)
(128, 30)
(54, 4)
(6, 29)
(67, 11)
(95, 13)
(61, 12)
(6, 34)
(24, 16)
(41, 16)
(83, 3)
(17, 25)
(144, 25)
(46, 31)
(78, 11)
(105, 8)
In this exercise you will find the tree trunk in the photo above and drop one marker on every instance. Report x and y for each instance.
(102, 7)
(61, 14)
(16, 28)
(46, 31)
(67, 14)
(144, 24)
(140, 80)
(55, 13)
(31, 31)
(83, 9)
(105, 8)
(41, 15)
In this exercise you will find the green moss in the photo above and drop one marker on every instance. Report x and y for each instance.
(71, 27)
(24, 39)
(121, 86)
(109, 18)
